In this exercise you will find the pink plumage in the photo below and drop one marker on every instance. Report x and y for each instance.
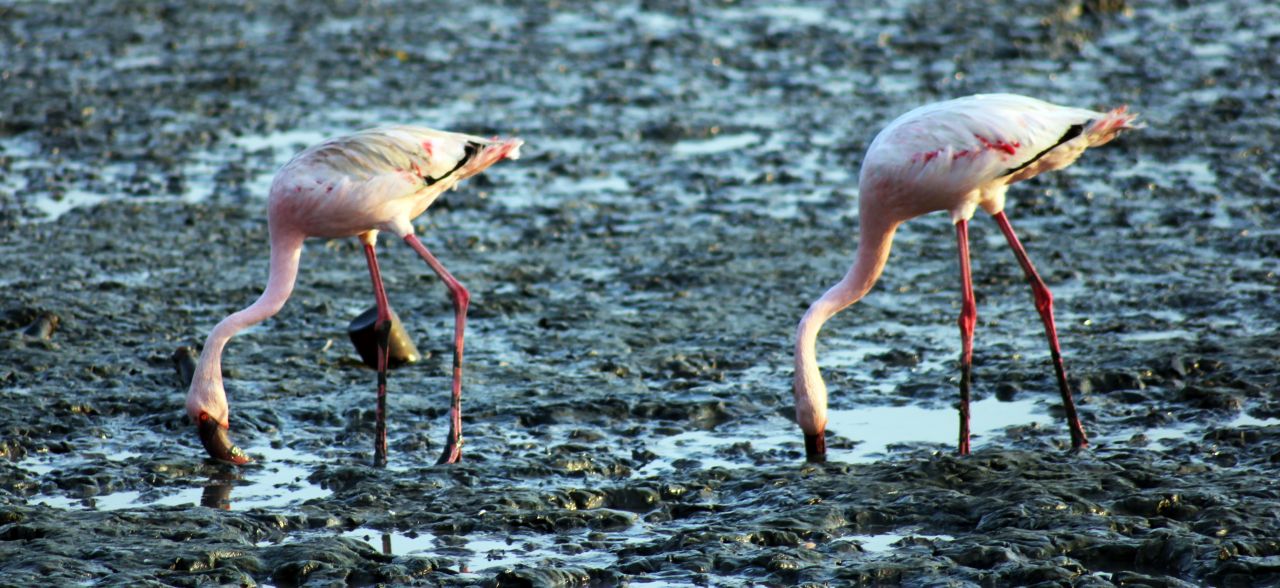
(956, 156)
(959, 154)
(377, 178)
(353, 185)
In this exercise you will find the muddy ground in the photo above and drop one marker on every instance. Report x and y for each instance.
(688, 186)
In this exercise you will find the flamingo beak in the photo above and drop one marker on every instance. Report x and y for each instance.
(815, 447)
(215, 440)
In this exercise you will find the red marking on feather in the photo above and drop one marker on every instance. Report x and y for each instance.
(960, 153)
(925, 157)
(999, 145)
(426, 146)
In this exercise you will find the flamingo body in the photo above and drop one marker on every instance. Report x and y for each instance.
(378, 178)
(959, 154)
(353, 185)
(952, 156)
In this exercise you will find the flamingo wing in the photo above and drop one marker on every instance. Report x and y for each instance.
(380, 178)
(417, 155)
(962, 153)
(979, 138)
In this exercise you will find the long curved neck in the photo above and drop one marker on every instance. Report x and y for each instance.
(874, 241)
(206, 391)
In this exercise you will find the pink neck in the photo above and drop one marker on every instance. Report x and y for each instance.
(875, 241)
(206, 392)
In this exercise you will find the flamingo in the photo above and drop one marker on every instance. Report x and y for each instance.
(954, 155)
(354, 185)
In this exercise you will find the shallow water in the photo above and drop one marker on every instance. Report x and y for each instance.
(279, 481)
(719, 144)
(885, 542)
(496, 551)
(874, 429)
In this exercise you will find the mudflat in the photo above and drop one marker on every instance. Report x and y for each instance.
(687, 187)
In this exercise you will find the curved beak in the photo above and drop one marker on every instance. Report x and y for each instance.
(215, 440)
(815, 447)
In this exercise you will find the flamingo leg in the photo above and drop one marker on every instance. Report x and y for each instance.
(382, 333)
(968, 319)
(453, 445)
(1044, 304)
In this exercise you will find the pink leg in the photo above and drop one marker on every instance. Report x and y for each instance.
(453, 446)
(968, 319)
(382, 329)
(1044, 304)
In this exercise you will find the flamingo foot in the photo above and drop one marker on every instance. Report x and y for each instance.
(452, 450)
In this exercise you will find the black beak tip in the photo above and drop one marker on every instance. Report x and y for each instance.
(215, 441)
(815, 447)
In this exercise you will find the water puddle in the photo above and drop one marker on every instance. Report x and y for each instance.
(1196, 172)
(590, 188)
(717, 144)
(54, 206)
(280, 479)
(490, 552)
(1182, 431)
(800, 16)
(279, 482)
(1157, 335)
(885, 542)
(880, 431)
(875, 429)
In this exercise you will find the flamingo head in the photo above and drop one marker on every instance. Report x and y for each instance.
(490, 152)
(207, 407)
(213, 435)
(811, 408)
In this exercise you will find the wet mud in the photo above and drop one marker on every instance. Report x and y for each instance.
(687, 187)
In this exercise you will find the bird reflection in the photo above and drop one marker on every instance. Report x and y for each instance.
(217, 492)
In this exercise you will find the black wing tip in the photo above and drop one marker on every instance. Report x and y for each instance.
(1072, 132)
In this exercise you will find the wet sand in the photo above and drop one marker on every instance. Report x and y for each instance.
(688, 186)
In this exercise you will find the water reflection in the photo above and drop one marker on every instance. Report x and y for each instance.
(486, 552)
(280, 480)
(886, 542)
(876, 429)
(217, 492)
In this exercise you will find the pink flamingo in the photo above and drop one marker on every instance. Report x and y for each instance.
(354, 185)
(955, 156)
